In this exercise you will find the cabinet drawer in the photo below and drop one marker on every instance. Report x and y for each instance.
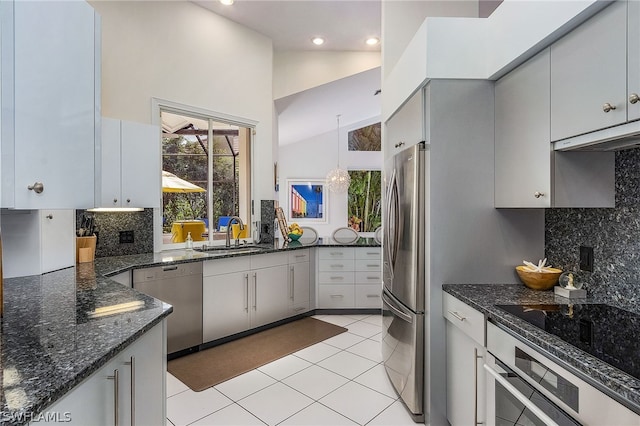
(373, 277)
(268, 260)
(369, 265)
(297, 256)
(368, 296)
(336, 277)
(335, 296)
(464, 317)
(368, 253)
(336, 265)
(337, 253)
(225, 266)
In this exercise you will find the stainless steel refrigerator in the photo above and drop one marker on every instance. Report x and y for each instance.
(440, 226)
(404, 276)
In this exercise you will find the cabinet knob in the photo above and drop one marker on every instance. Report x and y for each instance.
(115, 201)
(49, 216)
(128, 200)
(608, 107)
(37, 187)
(399, 144)
(634, 98)
(538, 194)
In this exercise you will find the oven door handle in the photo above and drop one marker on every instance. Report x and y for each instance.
(520, 397)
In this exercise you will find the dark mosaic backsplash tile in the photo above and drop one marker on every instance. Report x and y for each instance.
(109, 225)
(614, 234)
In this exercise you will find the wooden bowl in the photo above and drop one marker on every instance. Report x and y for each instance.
(538, 280)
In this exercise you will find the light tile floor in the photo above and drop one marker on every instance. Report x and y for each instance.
(340, 381)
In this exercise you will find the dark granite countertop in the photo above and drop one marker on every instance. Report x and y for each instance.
(483, 297)
(50, 342)
(109, 266)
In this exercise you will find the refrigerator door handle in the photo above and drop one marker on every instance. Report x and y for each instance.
(397, 311)
(392, 211)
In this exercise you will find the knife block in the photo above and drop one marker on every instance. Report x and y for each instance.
(85, 249)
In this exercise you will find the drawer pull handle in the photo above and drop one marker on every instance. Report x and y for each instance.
(372, 253)
(337, 278)
(376, 265)
(373, 295)
(299, 309)
(457, 315)
(300, 255)
(336, 253)
(337, 266)
(338, 296)
(373, 278)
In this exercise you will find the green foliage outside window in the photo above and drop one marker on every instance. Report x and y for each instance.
(365, 203)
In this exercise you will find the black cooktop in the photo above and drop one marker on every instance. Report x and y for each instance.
(606, 332)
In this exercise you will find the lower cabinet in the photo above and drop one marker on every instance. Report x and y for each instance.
(246, 292)
(299, 281)
(466, 397)
(136, 376)
(349, 277)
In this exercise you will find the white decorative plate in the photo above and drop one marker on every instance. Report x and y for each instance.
(378, 235)
(345, 235)
(309, 235)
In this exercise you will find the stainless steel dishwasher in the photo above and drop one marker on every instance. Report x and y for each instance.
(181, 286)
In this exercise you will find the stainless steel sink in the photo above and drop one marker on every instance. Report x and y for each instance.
(226, 251)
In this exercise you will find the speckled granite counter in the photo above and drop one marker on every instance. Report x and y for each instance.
(109, 266)
(51, 342)
(619, 385)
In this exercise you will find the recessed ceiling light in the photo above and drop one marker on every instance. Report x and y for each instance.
(372, 41)
(317, 41)
(227, 2)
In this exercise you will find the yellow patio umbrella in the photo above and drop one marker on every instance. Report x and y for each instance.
(172, 183)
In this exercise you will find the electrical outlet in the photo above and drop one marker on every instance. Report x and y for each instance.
(586, 258)
(126, 237)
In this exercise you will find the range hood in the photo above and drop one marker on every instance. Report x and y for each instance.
(617, 138)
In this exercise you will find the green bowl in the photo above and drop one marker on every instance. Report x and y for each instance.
(294, 237)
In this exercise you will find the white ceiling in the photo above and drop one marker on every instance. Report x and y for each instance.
(292, 23)
(313, 112)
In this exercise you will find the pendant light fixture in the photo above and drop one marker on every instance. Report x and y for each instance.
(338, 179)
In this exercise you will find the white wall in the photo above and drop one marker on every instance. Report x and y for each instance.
(295, 72)
(313, 158)
(180, 52)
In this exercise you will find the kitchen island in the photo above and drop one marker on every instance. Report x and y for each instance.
(617, 384)
(61, 327)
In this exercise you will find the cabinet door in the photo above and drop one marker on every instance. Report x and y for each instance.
(299, 281)
(54, 103)
(405, 127)
(522, 145)
(270, 295)
(465, 379)
(144, 362)
(633, 60)
(225, 305)
(57, 239)
(589, 70)
(140, 147)
(110, 177)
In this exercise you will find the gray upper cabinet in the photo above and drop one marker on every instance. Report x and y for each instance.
(528, 173)
(523, 150)
(589, 75)
(633, 60)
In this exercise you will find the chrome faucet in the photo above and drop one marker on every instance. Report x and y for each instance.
(228, 241)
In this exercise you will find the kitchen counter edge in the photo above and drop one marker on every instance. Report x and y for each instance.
(483, 297)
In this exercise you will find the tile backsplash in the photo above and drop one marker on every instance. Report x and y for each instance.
(108, 228)
(614, 234)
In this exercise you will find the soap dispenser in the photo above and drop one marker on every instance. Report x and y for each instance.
(188, 243)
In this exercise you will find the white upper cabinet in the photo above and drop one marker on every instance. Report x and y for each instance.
(406, 127)
(589, 75)
(130, 162)
(50, 103)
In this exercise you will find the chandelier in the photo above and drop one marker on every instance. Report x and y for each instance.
(338, 179)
